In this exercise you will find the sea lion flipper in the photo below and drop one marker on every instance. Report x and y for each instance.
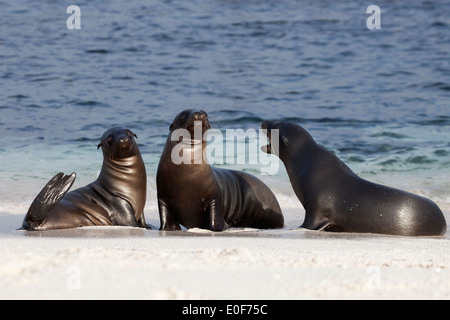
(322, 226)
(316, 221)
(216, 222)
(167, 221)
(48, 198)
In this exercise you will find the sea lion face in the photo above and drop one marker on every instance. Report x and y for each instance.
(268, 126)
(119, 143)
(288, 134)
(290, 138)
(189, 119)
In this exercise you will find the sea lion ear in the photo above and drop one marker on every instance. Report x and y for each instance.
(99, 146)
(267, 149)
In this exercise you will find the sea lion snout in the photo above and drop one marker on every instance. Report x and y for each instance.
(200, 115)
(126, 137)
(187, 119)
(197, 119)
(203, 117)
(267, 126)
(124, 142)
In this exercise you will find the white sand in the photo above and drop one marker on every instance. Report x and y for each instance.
(127, 263)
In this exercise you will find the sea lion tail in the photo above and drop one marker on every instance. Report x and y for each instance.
(47, 199)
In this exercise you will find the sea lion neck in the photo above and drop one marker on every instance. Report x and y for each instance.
(128, 171)
(296, 146)
(123, 163)
(127, 179)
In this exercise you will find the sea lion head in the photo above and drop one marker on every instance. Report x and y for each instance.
(290, 137)
(268, 126)
(119, 143)
(189, 120)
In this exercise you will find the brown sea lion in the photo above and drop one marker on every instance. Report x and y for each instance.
(116, 198)
(338, 200)
(197, 195)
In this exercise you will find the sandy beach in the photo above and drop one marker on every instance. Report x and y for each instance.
(129, 263)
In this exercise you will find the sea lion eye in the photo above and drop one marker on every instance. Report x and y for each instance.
(109, 139)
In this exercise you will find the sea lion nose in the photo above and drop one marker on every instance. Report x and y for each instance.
(125, 140)
(201, 115)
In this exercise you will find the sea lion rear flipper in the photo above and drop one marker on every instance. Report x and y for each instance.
(316, 222)
(47, 199)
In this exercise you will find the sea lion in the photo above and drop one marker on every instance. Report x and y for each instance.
(197, 195)
(337, 200)
(116, 198)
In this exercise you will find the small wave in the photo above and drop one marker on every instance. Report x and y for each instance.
(135, 49)
(247, 117)
(97, 51)
(321, 22)
(375, 148)
(389, 135)
(44, 79)
(438, 24)
(234, 117)
(242, 120)
(29, 128)
(86, 139)
(256, 24)
(18, 97)
(420, 160)
(438, 121)
(389, 162)
(122, 78)
(438, 85)
(163, 36)
(40, 77)
(33, 106)
(88, 103)
(442, 153)
(356, 159)
(337, 122)
(95, 127)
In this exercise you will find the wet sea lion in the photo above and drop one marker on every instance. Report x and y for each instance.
(116, 198)
(336, 199)
(197, 195)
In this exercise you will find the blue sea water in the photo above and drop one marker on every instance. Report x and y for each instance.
(379, 99)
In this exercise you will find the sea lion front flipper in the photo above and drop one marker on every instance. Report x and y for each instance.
(315, 221)
(47, 199)
(323, 226)
(167, 221)
(216, 221)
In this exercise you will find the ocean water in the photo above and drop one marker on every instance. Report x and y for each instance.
(379, 99)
